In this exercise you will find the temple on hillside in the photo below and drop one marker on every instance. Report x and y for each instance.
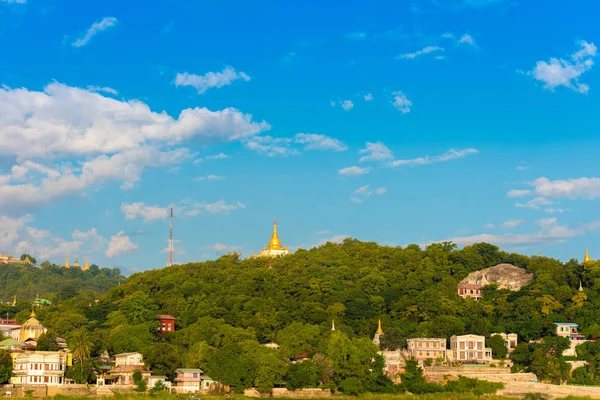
(274, 249)
(85, 267)
(377, 337)
(31, 329)
(587, 260)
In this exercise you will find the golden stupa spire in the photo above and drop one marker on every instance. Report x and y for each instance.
(86, 266)
(32, 315)
(379, 330)
(67, 263)
(15, 300)
(467, 244)
(587, 258)
(275, 243)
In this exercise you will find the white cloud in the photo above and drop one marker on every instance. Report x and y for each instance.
(451, 154)
(209, 178)
(96, 27)
(13, 1)
(141, 210)
(104, 89)
(522, 166)
(354, 171)
(210, 80)
(312, 141)
(334, 239)
(534, 203)
(549, 233)
(270, 146)
(489, 226)
(467, 39)
(364, 191)
(347, 105)
(193, 208)
(401, 102)
(222, 247)
(120, 244)
(546, 223)
(356, 35)
(197, 161)
(69, 121)
(560, 72)
(283, 146)
(332, 103)
(375, 151)
(45, 184)
(95, 240)
(518, 193)
(368, 97)
(322, 232)
(513, 223)
(447, 35)
(220, 156)
(441, 57)
(555, 210)
(425, 50)
(588, 188)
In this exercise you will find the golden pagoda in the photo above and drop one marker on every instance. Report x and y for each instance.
(274, 249)
(67, 263)
(587, 260)
(31, 329)
(86, 266)
(377, 337)
(76, 263)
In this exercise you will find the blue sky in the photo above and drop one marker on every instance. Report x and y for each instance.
(391, 121)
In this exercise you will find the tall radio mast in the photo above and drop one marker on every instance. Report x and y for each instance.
(170, 262)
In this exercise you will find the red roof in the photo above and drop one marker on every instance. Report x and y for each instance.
(165, 317)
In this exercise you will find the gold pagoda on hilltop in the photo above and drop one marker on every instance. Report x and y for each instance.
(85, 266)
(274, 249)
(587, 260)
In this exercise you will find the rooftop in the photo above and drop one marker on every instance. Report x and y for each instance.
(164, 316)
(189, 370)
(566, 324)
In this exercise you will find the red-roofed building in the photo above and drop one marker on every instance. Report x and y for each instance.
(167, 323)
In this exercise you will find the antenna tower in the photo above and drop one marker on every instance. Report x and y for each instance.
(170, 262)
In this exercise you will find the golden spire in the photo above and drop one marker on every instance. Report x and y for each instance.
(76, 263)
(32, 315)
(539, 254)
(86, 266)
(379, 330)
(275, 243)
(15, 300)
(587, 258)
(467, 244)
(67, 263)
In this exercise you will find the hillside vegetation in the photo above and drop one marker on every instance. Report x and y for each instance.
(227, 307)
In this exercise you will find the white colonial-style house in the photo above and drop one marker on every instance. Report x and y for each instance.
(40, 367)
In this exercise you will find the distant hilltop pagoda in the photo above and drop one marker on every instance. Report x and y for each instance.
(85, 267)
(274, 249)
(587, 260)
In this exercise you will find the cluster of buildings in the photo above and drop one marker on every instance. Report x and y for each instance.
(8, 259)
(34, 367)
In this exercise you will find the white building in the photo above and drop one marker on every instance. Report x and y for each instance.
(40, 368)
(427, 348)
(469, 349)
(129, 359)
(275, 249)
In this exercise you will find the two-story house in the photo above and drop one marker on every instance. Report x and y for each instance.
(422, 349)
(192, 380)
(469, 349)
(40, 367)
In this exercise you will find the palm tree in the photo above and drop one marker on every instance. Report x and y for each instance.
(80, 344)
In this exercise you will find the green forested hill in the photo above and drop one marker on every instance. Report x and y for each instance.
(227, 307)
(51, 282)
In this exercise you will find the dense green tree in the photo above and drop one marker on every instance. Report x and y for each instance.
(47, 342)
(6, 365)
(304, 374)
(163, 359)
(498, 346)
